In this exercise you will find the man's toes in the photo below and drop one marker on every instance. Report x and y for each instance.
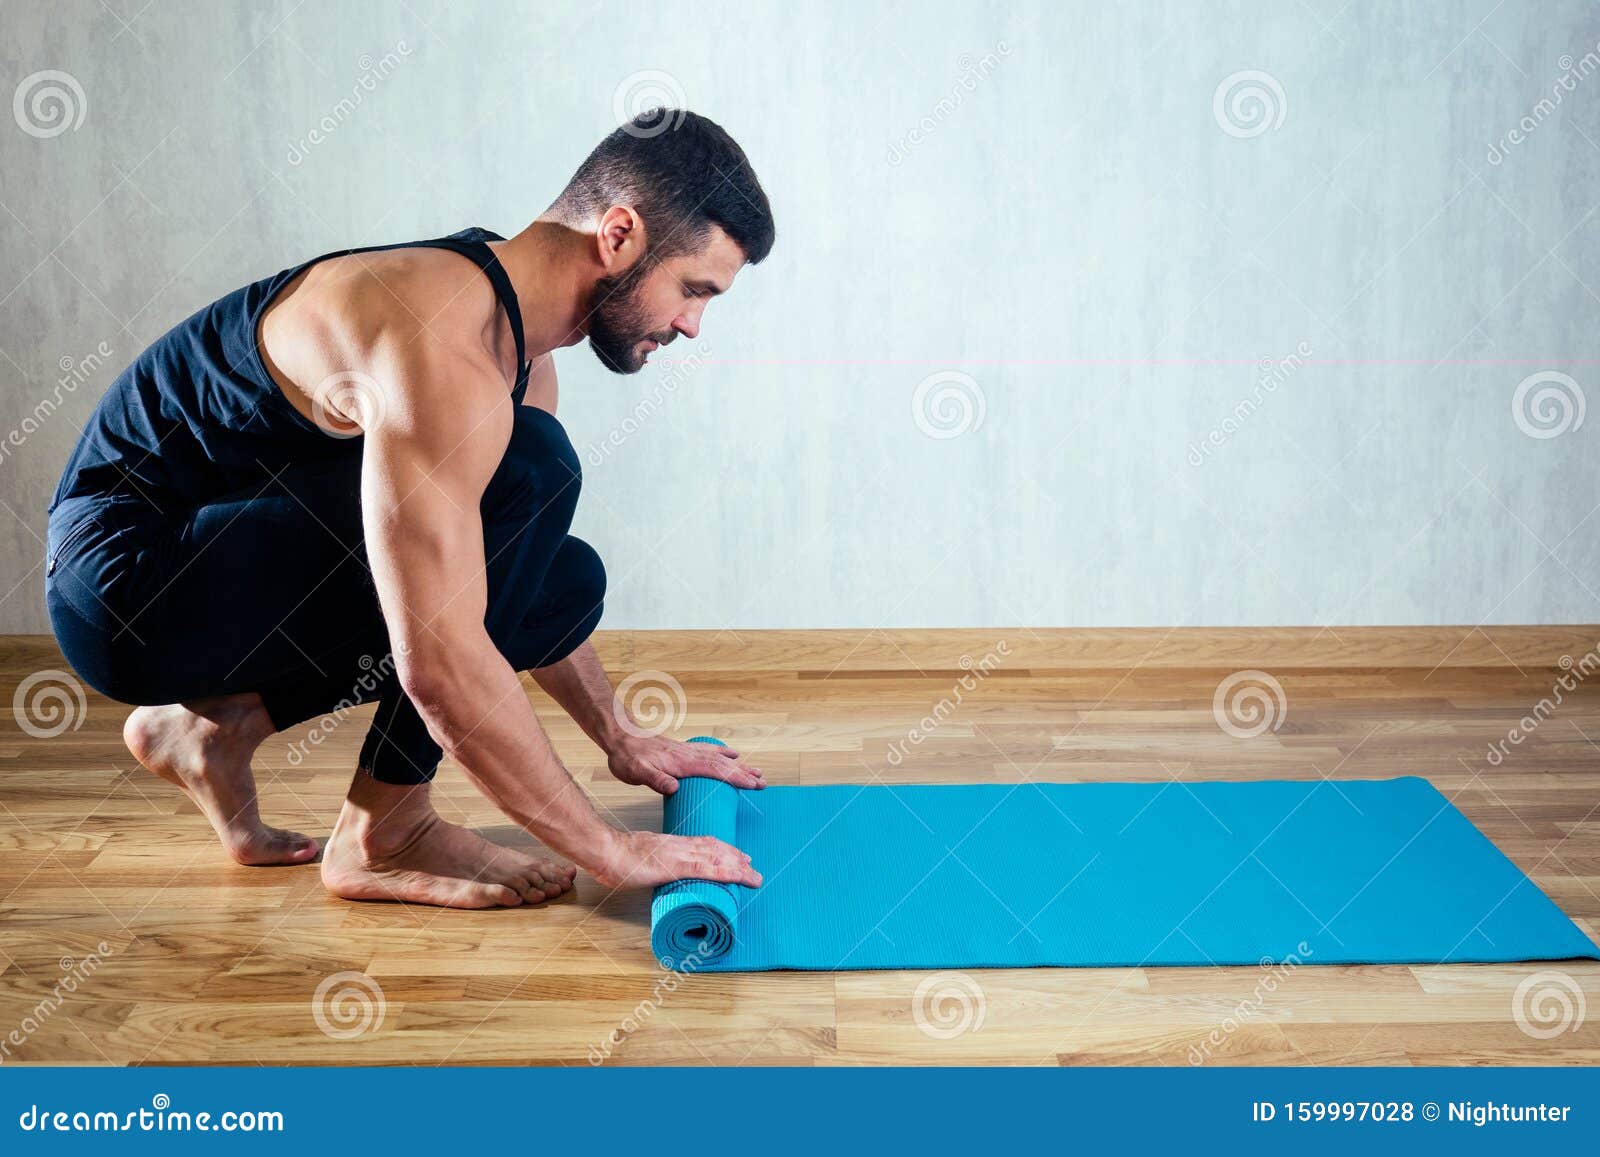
(547, 889)
(555, 873)
(559, 877)
(267, 846)
(487, 896)
(543, 880)
(301, 854)
(299, 849)
(533, 888)
(532, 891)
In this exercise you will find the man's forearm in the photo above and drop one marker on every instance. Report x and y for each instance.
(495, 736)
(477, 709)
(579, 685)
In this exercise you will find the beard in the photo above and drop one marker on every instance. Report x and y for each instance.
(617, 322)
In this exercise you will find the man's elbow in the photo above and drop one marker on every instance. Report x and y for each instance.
(444, 682)
(429, 681)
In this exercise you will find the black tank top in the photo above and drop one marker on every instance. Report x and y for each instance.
(197, 416)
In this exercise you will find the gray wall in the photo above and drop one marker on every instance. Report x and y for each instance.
(1050, 199)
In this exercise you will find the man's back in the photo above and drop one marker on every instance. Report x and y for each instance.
(263, 376)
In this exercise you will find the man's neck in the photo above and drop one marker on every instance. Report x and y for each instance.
(548, 266)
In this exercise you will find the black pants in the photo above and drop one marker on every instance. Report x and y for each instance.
(268, 590)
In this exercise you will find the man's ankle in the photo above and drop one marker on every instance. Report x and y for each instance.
(383, 818)
(242, 716)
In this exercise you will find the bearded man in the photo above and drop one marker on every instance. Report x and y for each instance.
(359, 456)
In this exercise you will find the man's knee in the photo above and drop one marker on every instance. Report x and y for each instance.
(538, 472)
(583, 574)
(567, 611)
(99, 655)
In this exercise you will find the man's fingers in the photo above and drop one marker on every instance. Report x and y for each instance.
(727, 864)
(728, 771)
(723, 756)
(730, 753)
(736, 773)
(660, 782)
(705, 858)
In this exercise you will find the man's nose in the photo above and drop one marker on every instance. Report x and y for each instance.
(688, 322)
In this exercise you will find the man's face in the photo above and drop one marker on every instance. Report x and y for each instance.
(636, 312)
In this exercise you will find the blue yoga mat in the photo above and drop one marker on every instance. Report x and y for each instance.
(1100, 874)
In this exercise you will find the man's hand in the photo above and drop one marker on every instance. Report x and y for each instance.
(644, 859)
(659, 763)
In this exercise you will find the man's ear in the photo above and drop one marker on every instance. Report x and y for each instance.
(620, 240)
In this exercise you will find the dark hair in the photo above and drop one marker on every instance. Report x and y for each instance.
(684, 174)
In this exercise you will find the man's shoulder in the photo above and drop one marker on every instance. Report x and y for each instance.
(412, 321)
(422, 311)
(429, 294)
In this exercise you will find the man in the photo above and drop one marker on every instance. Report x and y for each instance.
(347, 482)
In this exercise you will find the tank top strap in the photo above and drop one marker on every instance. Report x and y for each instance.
(473, 244)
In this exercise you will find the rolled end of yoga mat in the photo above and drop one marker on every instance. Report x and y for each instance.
(693, 922)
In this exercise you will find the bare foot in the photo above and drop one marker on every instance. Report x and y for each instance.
(205, 748)
(389, 844)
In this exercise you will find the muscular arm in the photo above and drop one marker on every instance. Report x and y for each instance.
(429, 454)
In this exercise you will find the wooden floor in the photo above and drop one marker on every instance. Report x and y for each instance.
(110, 878)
